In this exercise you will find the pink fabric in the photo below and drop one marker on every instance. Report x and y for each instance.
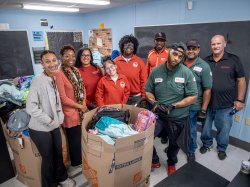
(144, 120)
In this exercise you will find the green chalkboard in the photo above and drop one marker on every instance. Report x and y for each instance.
(236, 33)
(15, 57)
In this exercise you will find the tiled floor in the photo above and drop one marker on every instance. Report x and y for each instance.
(227, 168)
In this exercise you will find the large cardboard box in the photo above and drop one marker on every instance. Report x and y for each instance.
(27, 158)
(126, 164)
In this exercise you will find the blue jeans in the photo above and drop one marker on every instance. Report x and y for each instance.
(223, 123)
(193, 130)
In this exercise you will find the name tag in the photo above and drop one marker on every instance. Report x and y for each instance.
(196, 68)
(158, 80)
(163, 59)
(179, 79)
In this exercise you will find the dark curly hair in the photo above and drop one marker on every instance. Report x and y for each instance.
(78, 63)
(127, 39)
(66, 48)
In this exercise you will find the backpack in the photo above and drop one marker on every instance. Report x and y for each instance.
(121, 115)
(144, 120)
(18, 120)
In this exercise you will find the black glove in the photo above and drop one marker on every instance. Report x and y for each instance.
(155, 107)
(166, 108)
(144, 104)
(201, 116)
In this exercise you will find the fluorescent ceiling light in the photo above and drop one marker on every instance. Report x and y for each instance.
(50, 8)
(89, 2)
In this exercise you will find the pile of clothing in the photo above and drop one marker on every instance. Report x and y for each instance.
(111, 123)
(13, 97)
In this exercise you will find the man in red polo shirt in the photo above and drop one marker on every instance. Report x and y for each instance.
(159, 54)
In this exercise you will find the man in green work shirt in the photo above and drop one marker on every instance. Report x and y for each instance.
(203, 76)
(171, 89)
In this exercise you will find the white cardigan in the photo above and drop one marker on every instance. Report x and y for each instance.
(42, 105)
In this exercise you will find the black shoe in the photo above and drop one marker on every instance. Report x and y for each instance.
(164, 140)
(222, 155)
(191, 157)
(166, 150)
(204, 149)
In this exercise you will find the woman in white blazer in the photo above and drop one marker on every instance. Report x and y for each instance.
(44, 107)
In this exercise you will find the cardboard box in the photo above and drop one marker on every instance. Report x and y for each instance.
(127, 164)
(27, 158)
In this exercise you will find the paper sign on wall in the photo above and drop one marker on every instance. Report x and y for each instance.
(37, 35)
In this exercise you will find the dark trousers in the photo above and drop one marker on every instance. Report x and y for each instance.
(74, 139)
(173, 127)
(49, 145)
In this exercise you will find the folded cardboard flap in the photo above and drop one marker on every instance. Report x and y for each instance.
(127, 163)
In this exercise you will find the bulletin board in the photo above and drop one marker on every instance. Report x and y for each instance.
(55, 40)
(15, 55)
(101, 39)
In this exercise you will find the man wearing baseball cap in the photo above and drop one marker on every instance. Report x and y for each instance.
(171, 89)
(203, 76)
(159, 54)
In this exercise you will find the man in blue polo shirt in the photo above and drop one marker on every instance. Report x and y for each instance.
(171, 89)
(228, 76)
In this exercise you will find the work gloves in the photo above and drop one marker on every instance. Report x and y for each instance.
(157, 107)
(201, 116)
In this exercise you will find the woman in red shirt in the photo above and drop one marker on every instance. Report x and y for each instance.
(114, 88)
(72, 93)
(90, 73)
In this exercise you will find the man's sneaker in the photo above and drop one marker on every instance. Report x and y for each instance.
(164, 140)
(171, 170)
(204, 149)
(190, 157)
(155, 165)
(68, 183)
(222, 155)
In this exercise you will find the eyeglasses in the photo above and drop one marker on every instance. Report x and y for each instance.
(83, 55)
(110, 67)
(129, 45)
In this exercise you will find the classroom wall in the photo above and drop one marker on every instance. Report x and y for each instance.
(122, 21)
(30, 21)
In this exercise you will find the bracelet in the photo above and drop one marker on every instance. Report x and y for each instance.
(241, 101)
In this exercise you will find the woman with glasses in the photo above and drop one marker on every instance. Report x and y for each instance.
(44, 107)
(90, 73)
(114, 88)
(72, 94)
(133, 67)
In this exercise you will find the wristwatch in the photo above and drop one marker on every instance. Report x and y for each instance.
(241, 101)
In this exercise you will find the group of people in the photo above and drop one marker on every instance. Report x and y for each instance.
(191, 89)
(176, 82)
